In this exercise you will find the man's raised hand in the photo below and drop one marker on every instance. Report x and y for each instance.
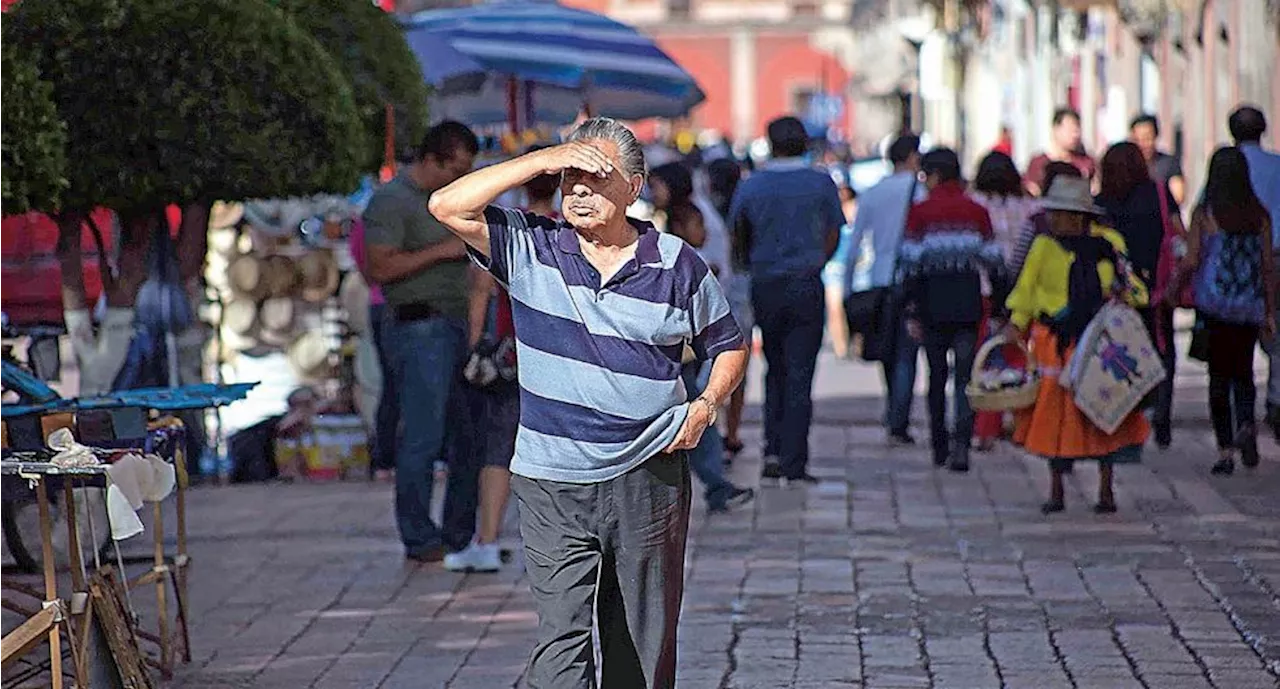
(577, 155)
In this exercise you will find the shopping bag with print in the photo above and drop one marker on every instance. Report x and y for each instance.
(1115, 367)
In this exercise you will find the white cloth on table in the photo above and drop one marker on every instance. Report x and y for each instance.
(133, 480)
(70, 453)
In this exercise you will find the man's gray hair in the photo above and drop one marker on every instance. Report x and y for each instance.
(630, 153)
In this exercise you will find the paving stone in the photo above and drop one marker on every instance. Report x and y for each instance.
(832, 586)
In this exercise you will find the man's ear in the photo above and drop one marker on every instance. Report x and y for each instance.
(637, 185)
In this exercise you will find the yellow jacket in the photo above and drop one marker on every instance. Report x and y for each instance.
(1041, 289)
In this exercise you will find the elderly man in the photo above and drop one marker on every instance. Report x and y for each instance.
(603, 307)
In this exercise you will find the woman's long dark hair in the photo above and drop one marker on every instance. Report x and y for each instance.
(680, 208)
(1229, 195)
(998, 176)
(1123, 170)
(723, 176)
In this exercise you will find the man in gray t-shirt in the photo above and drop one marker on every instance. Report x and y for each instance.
(422, 270)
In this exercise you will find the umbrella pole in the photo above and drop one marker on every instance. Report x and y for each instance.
(513, 108)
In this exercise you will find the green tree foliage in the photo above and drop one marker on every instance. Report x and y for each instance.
(369, 47)
(34, 139)
(175, 101)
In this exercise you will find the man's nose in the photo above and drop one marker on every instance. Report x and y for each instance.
(580, 189)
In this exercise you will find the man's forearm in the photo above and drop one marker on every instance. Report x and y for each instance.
(460, 205)
(400, 265)
(727, 371)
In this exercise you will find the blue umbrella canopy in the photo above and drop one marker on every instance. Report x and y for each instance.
(443, 67)
(617, 71)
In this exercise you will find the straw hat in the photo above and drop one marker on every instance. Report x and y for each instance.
(277, 318)
(1070, 194)
(224, 215)
(224, 241)
(240, 325)
(240, 316)
(280, 276)
(245, 276)
(319, 275)
(309, 354)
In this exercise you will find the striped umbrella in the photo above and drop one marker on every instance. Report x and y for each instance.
(617, 71)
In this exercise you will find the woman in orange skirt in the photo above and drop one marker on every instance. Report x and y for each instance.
(1068, 276)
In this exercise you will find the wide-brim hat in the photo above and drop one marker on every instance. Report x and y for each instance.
(309, 354)
(225, 214)
(280, 276)
(245, 276)
(240, 316)
(1070, 194)
(318, 272)
(277, 321)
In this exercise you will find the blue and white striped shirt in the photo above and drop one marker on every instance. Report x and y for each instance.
(599, 366)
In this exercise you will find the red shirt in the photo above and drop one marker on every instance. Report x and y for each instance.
(947, 209)
(1036, 168)
(947, 247)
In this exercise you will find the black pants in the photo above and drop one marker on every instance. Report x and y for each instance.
(1232, 392)
(790, 314)
(962, 342)
(1159, 321)
(616, 549)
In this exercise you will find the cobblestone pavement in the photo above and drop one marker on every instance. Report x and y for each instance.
(888, 575)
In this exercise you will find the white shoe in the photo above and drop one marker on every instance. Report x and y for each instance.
(475, 558)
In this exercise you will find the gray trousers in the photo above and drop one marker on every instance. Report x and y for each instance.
(616, 550)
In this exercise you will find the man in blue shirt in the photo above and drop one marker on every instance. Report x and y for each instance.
(882, 213)
(1247, 125)
(786, 222)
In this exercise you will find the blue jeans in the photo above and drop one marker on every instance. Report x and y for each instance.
(790, 312)
(386, 425)
(428, 361)
(706, 459)
(900, 381)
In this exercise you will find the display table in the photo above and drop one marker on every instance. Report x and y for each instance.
(68, 615)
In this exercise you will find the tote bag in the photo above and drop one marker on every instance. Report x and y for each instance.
(1114, 366)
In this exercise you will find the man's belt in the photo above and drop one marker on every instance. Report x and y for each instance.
(415, 311)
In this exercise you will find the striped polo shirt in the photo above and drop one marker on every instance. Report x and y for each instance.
(599, 365)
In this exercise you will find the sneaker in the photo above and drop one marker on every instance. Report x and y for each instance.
(772, 468)
(959, 462)
(805, 479)
(737, 498)
(476, 557)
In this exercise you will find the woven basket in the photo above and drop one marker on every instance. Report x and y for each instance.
(1005, 399)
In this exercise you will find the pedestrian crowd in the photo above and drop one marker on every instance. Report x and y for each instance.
(1032, 258)
(581, 360)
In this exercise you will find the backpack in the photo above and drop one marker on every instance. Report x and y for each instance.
(1228, 282)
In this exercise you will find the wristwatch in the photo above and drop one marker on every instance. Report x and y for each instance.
(711, 407)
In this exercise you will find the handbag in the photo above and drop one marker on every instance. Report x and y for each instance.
(1172, 249)
(877, 312)
(1113, 367)
(861, 309)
